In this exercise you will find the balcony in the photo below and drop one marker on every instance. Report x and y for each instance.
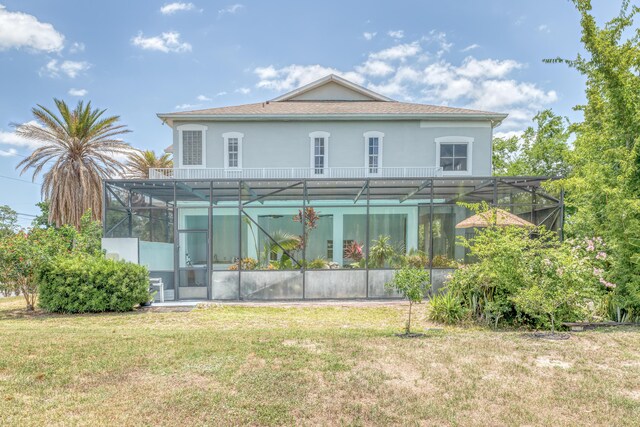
(295, 173)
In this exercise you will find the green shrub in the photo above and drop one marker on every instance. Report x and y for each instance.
(415, 259)
(446, 308)
(85, 284)
(528, 277)
(318, 263)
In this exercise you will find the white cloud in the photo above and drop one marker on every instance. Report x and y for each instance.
(13, 140)
(243, 90)
(489, 68)
(508, 134)
(375, 68)
(544, 28)
(293, 76)
(8, 153)
(223, 93)
(397, 34)
(77, 92)
(398, 52)
(368, 35)
(20, 30)
(171, 8)
(418, 72)
(440, 40)
(187, 106)
(77, 47)
(391, 88)
(166, 42)
(498, 94)
(70, 68)
(203, 98)
(231, 10)
(470, 47)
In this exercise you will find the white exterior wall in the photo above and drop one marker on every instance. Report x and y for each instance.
(278, 144)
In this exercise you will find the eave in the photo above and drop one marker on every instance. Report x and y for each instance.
(169, 119)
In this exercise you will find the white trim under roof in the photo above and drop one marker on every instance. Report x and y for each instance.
(169, 118)
(455, 124)
(336, 79)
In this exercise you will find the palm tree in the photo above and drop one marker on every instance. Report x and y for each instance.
(279, 241)
(139, 162)
(79, 147)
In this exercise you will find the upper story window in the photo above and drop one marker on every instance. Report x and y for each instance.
(192, 145)
(453, 154)
(373, 151)
(319, 152)
(233, 150)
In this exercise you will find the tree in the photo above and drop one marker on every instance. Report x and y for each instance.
(412, 283)
(604, 186)
(540, 151)
(42, 219)
(24, 253)
(80, 146)
(139, 162)
(8, 221)
(505, 152)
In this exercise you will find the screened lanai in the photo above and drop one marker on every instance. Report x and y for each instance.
(306, 238)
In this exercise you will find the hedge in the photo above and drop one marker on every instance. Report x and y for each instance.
(90, 284)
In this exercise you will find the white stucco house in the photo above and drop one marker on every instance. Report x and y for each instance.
(296, 197)
(350, 132)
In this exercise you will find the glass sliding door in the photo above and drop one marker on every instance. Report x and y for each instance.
(193, 253)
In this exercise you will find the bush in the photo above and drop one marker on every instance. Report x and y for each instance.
(318, 263)
(528, 277)
(446, 308)
(85, 284)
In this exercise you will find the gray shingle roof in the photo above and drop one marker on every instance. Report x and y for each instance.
(328, 108)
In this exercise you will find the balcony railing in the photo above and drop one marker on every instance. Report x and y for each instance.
(294, 173)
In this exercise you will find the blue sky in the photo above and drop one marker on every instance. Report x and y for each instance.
(137, 58)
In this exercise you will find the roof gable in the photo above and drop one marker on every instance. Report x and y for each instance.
(331, 88)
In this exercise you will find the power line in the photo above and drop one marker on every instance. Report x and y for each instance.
(13, 153)
(18, 179)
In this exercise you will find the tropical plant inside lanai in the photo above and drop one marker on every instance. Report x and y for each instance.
(80, 146)
(310, 218)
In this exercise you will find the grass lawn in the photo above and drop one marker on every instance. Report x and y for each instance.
(229, 365)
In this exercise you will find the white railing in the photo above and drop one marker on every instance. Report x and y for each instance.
(294, 173)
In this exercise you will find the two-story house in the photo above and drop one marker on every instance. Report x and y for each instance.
(319, 193)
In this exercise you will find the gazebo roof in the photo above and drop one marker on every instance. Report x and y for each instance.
(498, 217)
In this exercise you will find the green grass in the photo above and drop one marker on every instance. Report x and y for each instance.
(230, 365)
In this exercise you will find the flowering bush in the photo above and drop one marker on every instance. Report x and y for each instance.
(353, 251)
(24, 253)
(245, 263)
(528, 277)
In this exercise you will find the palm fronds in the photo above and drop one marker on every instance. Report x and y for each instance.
(78, 149)
(139, 163)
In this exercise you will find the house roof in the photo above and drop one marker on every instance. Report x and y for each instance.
(332, 78)
(311, 103)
